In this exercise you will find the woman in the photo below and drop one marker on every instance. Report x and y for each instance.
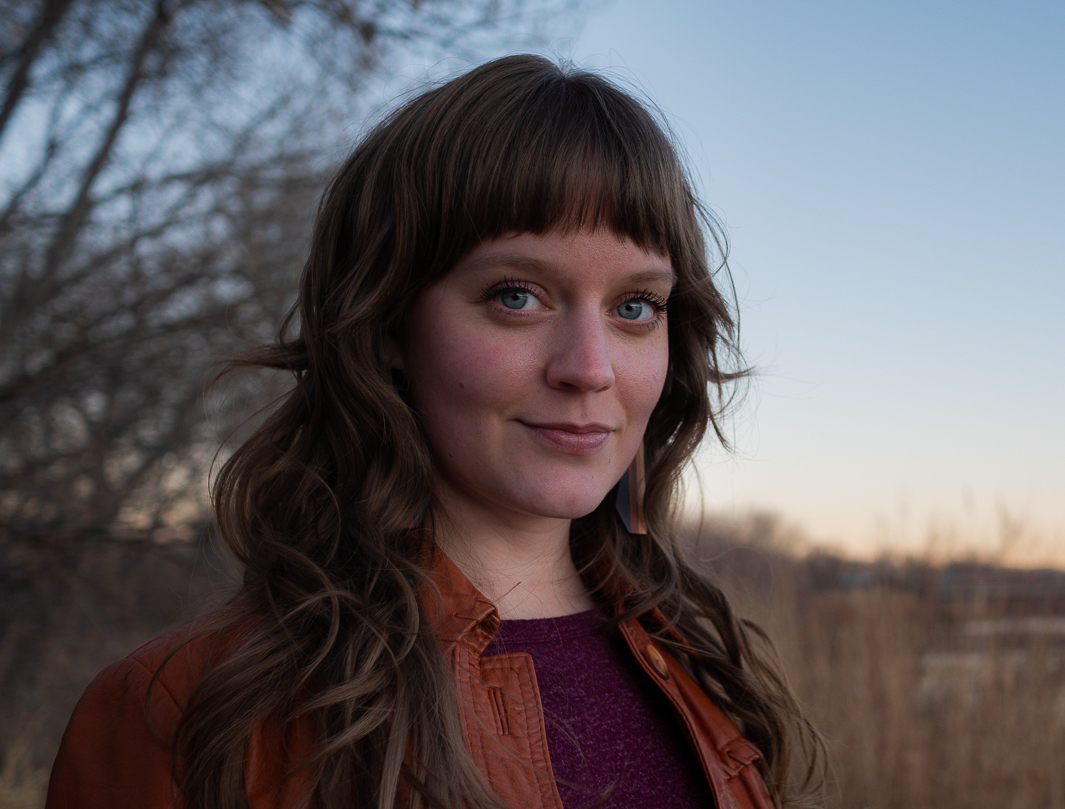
(462, 585)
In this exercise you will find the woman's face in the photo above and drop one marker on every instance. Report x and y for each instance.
(535, 364)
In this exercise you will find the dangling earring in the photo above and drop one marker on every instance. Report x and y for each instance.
(630, 495)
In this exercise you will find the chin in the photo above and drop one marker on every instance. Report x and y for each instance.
(565, 503)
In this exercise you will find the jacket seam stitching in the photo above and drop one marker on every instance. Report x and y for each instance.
(158, 681)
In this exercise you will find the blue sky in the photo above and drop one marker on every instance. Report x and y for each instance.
(892, 180)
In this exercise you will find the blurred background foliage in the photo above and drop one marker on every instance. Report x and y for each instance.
(161, 163)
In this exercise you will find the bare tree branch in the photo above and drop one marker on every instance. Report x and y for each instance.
(156, 219)
(75, 216)
(51, 14)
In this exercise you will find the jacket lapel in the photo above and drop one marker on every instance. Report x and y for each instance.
(502, 716)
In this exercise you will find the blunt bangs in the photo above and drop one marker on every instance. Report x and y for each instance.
(522, 145)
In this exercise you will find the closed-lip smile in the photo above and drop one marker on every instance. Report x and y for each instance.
(574, 439)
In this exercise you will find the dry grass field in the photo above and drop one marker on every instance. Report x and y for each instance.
(934, 686)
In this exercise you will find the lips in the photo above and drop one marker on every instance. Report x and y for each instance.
(575, 439)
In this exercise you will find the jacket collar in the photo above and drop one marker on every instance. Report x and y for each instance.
(460, 613)
(457, 611)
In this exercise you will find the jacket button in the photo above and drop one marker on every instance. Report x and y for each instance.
(658, 663)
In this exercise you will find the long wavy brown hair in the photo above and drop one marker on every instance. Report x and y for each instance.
(318, 504)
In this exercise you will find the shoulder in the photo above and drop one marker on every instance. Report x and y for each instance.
(172, 664)
(116, 748)
(177, 660)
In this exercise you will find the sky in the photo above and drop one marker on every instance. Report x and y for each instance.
(891, 177)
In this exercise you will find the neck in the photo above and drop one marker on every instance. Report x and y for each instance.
(523, 565)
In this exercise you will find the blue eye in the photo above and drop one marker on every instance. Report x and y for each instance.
(635, 310)
(514, 295)
(514, 298)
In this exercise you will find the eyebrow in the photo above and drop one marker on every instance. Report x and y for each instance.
(654, 275)
(530, 264)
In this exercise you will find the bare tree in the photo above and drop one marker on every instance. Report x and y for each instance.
(160, 162)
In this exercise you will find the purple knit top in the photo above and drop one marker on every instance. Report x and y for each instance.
(612, 735)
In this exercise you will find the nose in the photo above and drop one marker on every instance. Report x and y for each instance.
(581, 357)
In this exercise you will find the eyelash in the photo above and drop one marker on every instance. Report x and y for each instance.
(506, 285)
(657, 301)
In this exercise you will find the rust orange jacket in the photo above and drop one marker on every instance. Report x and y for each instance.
(111, 757)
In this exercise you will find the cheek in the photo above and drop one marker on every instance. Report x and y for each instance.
(459, 376)
(643, 379)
